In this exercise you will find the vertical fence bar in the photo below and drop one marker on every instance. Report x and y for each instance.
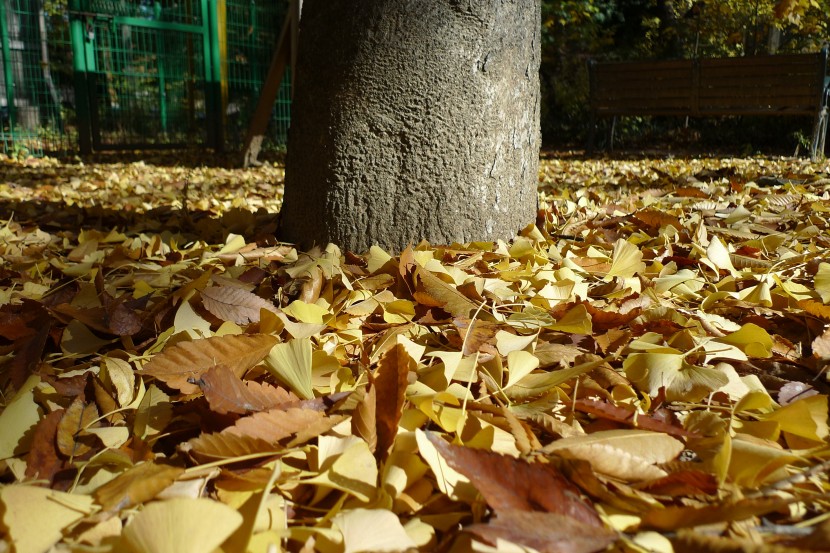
(81, 77)
(159, 37)
(8, 74)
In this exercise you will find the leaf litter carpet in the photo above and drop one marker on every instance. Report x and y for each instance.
(643, 370)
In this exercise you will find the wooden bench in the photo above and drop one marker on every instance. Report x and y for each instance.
(796, 84)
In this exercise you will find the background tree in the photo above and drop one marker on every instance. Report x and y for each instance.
(413, 120)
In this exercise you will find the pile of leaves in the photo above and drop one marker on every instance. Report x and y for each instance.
(643, 370)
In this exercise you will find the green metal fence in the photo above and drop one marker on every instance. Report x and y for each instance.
(252, 29)
(35, 77)
(116, 74)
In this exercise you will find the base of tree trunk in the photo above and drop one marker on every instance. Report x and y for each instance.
(413, 120)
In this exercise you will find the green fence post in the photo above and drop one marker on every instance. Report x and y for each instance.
(214, 22)
(160, 62)
(8, 75)
(81, 76)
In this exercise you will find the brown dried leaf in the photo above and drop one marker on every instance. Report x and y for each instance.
(364, 420)
(475, 333)
(609, 411)
(42, 461)
(676, 517)
(816, 308)
(211, 447)
(683, 482)
(544, 532)
(139, 484)
(658, 219)
(262, 432)
(391, 380)
(513, 484)
(72, 425)
(230, 303)
(184, 362)
(821, 345)
(227, 393)
(434, 292)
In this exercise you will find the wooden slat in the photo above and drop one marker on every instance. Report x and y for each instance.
(772, 85)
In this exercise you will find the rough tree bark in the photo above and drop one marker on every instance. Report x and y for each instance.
(411, 120)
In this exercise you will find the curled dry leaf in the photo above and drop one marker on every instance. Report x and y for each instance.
(72, 437)
(391, 380)
(181, 365)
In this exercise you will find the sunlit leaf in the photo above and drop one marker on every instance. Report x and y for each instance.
(181, 365)
(181, 525)
(290, 362)
(751, 339)
(137, 485)
(35, 517)
(372, 530)
(626, 454)
(626, 260)
(681, 380)
(230, 303)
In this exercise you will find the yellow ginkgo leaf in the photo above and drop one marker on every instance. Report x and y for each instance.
(751, 339)
(181, 525)
(626, 261)
(372, 530)
(822, 282)
(34, 517)
(575, 321)
(353, 471)
(681, 380)
(719, 256)
(520, 364)
(18, 418)
(291, 363)
(805, 418)
(310, 313)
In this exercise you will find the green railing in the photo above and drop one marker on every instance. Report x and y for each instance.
(115, 74)
(35, 78)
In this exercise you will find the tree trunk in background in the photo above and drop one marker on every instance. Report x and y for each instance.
(411, 120)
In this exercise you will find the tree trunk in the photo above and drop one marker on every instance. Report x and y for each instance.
(411, 120)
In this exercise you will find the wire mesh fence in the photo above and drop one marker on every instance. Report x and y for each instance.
(115, 74)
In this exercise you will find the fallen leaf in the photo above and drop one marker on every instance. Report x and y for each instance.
(543, 532)
(514, 484)
(181, 525)
(625, 454)
(372, 530)
(231, 303)
(226, 393)
(72, 428)
(182, 364)
(136, 485)
(36, 517)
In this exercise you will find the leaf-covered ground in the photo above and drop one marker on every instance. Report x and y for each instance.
(644, 370)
